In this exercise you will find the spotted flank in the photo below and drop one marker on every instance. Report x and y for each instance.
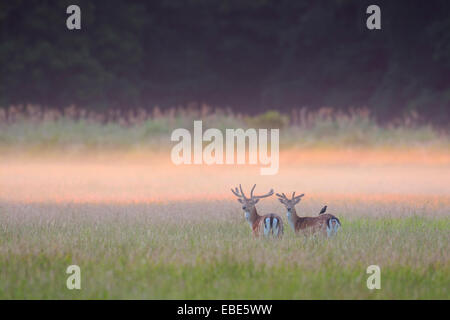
(333, 226)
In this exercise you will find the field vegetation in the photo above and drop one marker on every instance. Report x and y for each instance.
(74, 129)
(102, 193)
(203, 250)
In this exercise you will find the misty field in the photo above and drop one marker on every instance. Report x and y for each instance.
(100, 191)
(140, 227)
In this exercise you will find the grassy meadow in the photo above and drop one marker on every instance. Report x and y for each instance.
(100, 191)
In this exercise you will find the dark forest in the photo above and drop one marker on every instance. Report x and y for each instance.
(250, 56)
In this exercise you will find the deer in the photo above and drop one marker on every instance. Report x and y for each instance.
(271, 223)
(325, 223)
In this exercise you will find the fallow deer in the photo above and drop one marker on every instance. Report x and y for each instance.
(271, 223)
(323, 223)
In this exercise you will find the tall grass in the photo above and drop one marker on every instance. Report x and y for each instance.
(35, 128)
(161, 251)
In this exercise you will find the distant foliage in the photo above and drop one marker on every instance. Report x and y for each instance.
(271, 119)
(35, 128)
(249, 55)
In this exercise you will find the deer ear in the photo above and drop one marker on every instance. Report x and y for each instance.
(255, 201)
(281, 200)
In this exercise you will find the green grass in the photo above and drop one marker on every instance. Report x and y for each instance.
(155, 251)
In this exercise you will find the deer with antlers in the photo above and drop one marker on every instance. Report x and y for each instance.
(325, 223)
(271, 223)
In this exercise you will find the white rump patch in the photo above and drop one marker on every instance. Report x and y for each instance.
(275, 227)
(267, 227)
(332, 229)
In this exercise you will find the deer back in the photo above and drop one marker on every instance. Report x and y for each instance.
(313, 223)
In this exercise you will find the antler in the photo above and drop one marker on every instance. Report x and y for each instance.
(241, 194)
(251, 192)
(283, 199)
(282, 196)
(268, 194)
(297, 197)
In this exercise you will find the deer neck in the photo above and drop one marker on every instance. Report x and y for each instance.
(293, 218)
(251, 216)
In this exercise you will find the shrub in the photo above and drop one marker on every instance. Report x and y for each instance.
(271, 120)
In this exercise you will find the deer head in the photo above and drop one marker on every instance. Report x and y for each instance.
(289, 203)
(248, 204)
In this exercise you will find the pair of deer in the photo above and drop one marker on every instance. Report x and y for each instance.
(272, 223)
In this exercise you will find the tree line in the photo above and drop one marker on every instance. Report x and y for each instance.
(248, 55)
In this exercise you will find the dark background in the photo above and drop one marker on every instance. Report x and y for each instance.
(250, 56)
